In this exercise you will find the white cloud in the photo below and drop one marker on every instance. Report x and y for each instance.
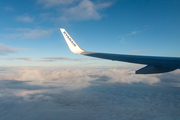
(52, 59)
(47, 59)
(85, 77)
(52, 3)
(37, 33)
(24, 18)
(84, 11)
(27, 33)
(101, 6)
(5, 49)
(127, 35)
(20, 58)
(52, 93)
(134, 32)
(122, 39)
(75, 9)
(8, 8)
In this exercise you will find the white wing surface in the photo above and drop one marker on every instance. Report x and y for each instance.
(73, 46)
(153, 64)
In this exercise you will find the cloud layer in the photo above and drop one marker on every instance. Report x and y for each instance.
(52, 59)
(78, 94)
(5, 49)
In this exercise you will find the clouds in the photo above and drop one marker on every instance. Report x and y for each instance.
(28, 33)
(93, 103)
(78, 10)
(66, 10)
(5, 49)
(79, 77)
(36, 33)
(24, 18)
(84, 11)
(46, 59)
(53, 93)
(73, 79)
(8, 8)
(51, 59)
(133, 33)
(20, 58)
(52, 3)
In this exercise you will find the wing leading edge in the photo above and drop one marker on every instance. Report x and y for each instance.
(154, 64)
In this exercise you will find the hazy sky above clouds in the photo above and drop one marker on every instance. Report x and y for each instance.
(41, 79)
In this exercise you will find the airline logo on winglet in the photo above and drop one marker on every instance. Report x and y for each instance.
(69, 39)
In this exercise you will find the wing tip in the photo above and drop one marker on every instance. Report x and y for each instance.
(73, 46)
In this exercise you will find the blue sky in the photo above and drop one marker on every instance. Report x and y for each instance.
(30, 36)
(41, 77)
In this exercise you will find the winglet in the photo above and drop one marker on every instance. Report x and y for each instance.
(73, 46)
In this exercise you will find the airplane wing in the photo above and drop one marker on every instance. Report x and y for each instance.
(153, 64)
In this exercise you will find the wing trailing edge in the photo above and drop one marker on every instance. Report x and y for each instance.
(154, 64)
(153, 70)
